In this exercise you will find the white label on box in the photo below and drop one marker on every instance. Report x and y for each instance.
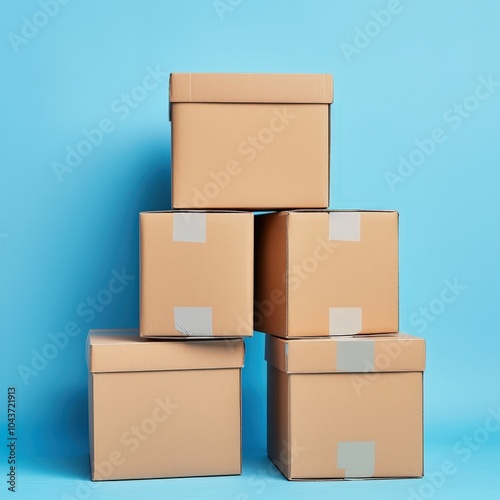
(346, 320)
(344, 226)
(357, 458)
(190, 227)
(355, 355)
(193, 321)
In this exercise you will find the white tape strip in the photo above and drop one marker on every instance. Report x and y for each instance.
(355, 355)
(346, 320)
(357, 458)
(344, 226)
(193, 321)
(190, 227)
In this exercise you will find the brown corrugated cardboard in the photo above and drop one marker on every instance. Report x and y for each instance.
(250, 141)
(166, 408)
(326, 272)
(346, 407)
(196, 274)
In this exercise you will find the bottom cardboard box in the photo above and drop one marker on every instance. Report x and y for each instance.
(346, 407)
(163, 408)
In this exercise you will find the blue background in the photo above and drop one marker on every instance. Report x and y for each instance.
(61, 239)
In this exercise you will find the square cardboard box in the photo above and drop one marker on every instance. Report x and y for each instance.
(346, 407)
(326, 272)
(163, 408)
(250, 141)
(196, 274)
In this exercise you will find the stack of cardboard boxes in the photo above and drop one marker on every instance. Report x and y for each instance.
(344, 388)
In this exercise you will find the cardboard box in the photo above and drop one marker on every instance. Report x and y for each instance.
(346, 407)
(250, 141)
(196, 274)
(326, 272)
(163, 408)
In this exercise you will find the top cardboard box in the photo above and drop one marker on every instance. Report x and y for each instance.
(250, 141)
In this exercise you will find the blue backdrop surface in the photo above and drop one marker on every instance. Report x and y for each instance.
(414, 128)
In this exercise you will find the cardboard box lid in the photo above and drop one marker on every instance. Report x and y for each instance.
(197, 211)
(124, 351)
(356, 354)
(251, 87)
(327, 210)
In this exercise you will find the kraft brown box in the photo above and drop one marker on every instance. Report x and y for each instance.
(166, 408)
(196, 274)
(326, 272)
(250, 141)
(346, 407)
